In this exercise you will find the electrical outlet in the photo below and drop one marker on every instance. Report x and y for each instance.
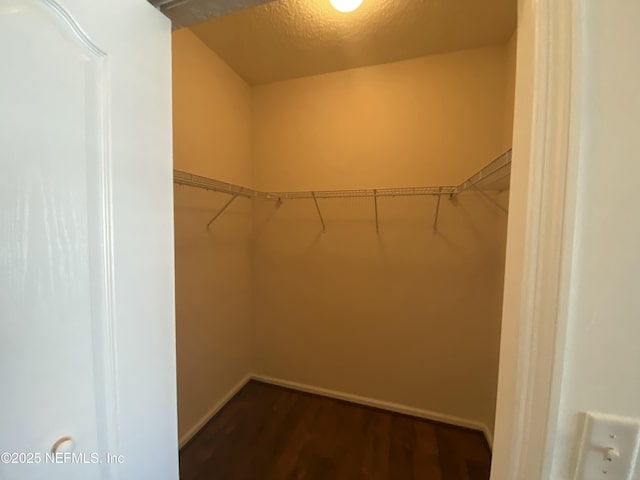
(609, 449)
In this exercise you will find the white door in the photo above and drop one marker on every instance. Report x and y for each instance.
(87, 347)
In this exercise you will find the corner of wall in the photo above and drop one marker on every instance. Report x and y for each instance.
(510, 90)
(214, 295)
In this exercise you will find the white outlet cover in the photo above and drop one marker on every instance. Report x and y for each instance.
(601, 433)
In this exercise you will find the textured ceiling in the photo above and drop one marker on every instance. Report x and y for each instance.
(296, 38)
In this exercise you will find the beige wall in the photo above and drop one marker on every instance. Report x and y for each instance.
(213, 290)
(428, 121)
(406, 316)
(211, 113)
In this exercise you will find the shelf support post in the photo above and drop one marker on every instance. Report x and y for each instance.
(315, 200)
(222, 210)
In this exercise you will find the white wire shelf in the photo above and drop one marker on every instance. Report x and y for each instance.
(184, 178)
(369, 193)
(191, 180)
(495, 176)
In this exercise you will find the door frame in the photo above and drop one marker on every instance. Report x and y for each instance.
(546, 151)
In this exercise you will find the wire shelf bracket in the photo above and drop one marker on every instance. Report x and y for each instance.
(315, 200)
(491, 200)
(235, 195)
(435, 220)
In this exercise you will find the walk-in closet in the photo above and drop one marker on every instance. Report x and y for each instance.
(341, 193)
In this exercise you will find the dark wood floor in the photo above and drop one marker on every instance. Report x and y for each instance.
(273, 433)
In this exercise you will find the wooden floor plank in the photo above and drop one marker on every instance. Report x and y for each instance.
(272, 433)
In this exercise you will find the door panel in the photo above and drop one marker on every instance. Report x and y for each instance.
(52, 202)
(80, 131)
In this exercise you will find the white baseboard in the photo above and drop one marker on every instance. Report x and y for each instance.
(215, 409)
(488, 436)
(370, 402)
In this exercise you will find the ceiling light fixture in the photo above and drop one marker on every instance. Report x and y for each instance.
(345, 6)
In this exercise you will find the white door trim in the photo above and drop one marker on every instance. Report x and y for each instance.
(540, 238)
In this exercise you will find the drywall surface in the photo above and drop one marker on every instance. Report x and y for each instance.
(404, 316)
(428, 121)
(510, 90)
(211, 113)
(602, 359)
(213, 289)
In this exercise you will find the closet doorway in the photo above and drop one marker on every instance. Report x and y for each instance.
(341, 203)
